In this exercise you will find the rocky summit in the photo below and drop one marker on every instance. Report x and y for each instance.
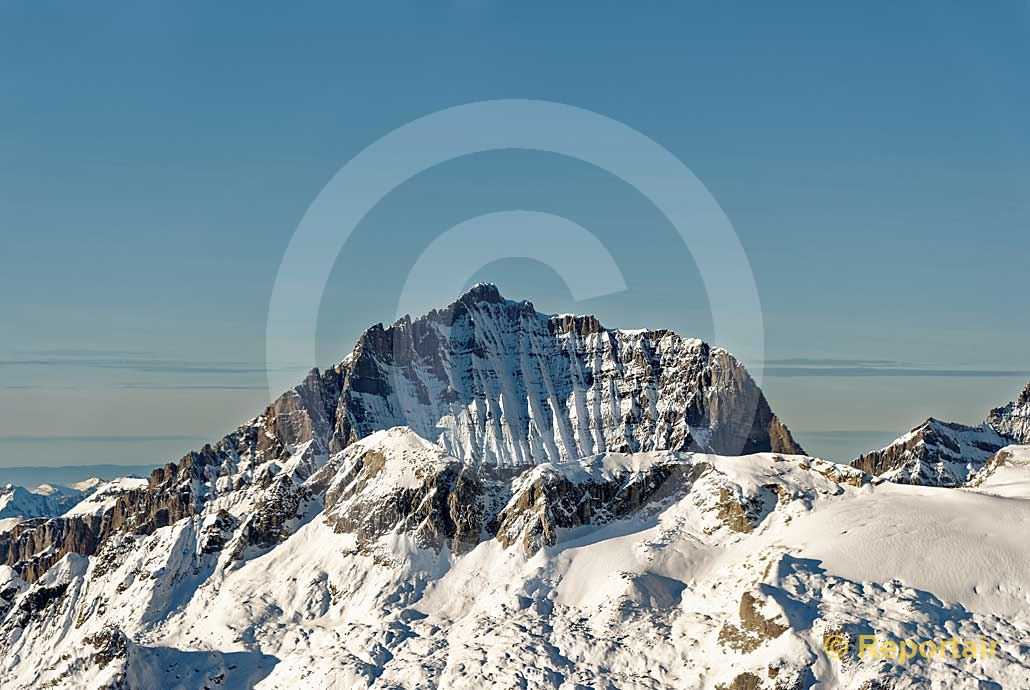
(488, 496)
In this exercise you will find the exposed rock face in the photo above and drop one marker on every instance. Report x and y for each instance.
(934, 453)
(33, 546)
(744, 513)
(1013, 420)
(755, 627)
(109, 644)
(744, 681)
(593, 492)
(397, 481)
(497, 383)
(218, 529)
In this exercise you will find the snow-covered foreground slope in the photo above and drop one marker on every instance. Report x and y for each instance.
(395, 565)
(1005, 474)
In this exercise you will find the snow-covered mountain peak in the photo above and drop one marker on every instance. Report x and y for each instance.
(87, 485)
(935, 453)
(498, 383)
(479, 438)
(940, 453)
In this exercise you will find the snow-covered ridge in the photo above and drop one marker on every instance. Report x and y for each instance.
(103, 495)
(1005, 474)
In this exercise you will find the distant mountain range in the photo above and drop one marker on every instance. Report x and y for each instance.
(489, 496)
(68, 475)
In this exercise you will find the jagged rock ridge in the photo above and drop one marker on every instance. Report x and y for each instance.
(1013, 419)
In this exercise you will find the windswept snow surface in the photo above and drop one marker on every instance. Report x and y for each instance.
(743, 571)
(1005, 475)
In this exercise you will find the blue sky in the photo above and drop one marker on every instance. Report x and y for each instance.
(156, 159)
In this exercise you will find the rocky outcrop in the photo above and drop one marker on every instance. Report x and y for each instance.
(109, 645)
(217, 531)
(743, 681)
(755, 627)
(396, 481)
(1013, 420)
(743, 513)
(279, 508)
(592, 492)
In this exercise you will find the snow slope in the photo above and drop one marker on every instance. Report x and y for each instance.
(721, 572)
(1005, 474)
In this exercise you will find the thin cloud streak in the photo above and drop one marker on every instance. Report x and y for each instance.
(868, 372)
(807, 367)
(96, 438)
(137, 362)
